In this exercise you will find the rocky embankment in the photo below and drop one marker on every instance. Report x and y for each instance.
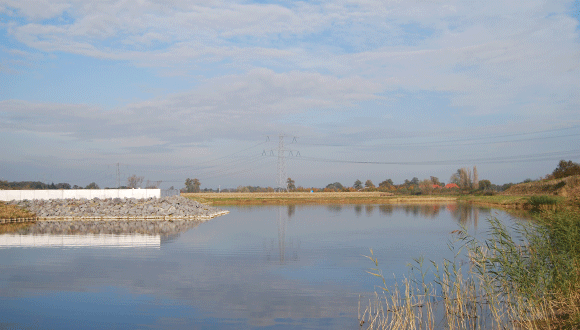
(174, 207)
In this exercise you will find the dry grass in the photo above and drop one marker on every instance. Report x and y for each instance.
(312, 198)
(565, 187)
(503, 201)
(538, 202)
(13, 212)
(531, 282)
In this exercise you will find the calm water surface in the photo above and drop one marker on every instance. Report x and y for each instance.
(281, 267)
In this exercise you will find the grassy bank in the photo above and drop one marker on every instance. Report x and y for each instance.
(528, 280)
(534, 202)
(375, 197)
(13, 212)
(284, 198)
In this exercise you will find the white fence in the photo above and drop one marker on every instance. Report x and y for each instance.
(8, 195)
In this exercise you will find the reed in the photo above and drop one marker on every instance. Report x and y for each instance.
(526, 280)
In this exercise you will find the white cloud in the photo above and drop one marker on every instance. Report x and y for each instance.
(235, 104)
(259, 64)
(35, 10)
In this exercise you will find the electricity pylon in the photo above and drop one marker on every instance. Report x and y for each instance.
(281, 181)
(281, 165)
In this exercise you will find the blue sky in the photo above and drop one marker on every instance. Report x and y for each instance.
(178, 89)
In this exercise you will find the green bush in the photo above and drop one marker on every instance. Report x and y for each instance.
(536, 201)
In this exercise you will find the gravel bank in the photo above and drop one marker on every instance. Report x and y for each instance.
(174, 207)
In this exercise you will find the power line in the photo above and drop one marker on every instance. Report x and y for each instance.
(246, 161)
(254, 168)
(237, 168)
(435, 144)
(438, 143)
(211, 160)
(493, 160)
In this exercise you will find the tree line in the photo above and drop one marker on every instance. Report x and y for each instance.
(133, 181)
(464, 180)
(37, 185)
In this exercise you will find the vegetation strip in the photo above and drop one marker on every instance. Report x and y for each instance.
(313, 198)
(525, 280)
(14, 212)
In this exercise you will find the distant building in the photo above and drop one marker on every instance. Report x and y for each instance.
(451, 185)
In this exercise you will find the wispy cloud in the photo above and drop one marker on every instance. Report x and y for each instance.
(248, 69)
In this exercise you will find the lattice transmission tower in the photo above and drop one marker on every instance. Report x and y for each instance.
(281, 177)
(281, 180)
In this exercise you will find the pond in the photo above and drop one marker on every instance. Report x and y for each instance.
(271, 267)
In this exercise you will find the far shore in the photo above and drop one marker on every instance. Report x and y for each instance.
(516, 202)
(513, 202)
(283, 198)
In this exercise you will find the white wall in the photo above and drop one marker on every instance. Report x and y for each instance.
(8, 195)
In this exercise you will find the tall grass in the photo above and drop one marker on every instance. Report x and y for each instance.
(526, 280)
(537, 201)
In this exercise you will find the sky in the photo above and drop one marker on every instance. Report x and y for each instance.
(97, 91)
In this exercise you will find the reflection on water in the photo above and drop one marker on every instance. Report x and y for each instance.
(118, 241)
(282, 243)
(464, 214)
(291, 210)
(281, 267)
(386, 209)
(118, 233)
(369, 209)
(334, 208)
(358, 209)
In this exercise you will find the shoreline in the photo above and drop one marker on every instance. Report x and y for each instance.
(149, 209)
(506, 202)
(125, 218)
(324, 198)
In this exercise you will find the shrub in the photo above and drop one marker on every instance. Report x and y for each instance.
(536, 201)
(560, 185)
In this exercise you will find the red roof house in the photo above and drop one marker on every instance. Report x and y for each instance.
(451, 185)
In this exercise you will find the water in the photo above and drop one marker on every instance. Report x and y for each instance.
(281, 267)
